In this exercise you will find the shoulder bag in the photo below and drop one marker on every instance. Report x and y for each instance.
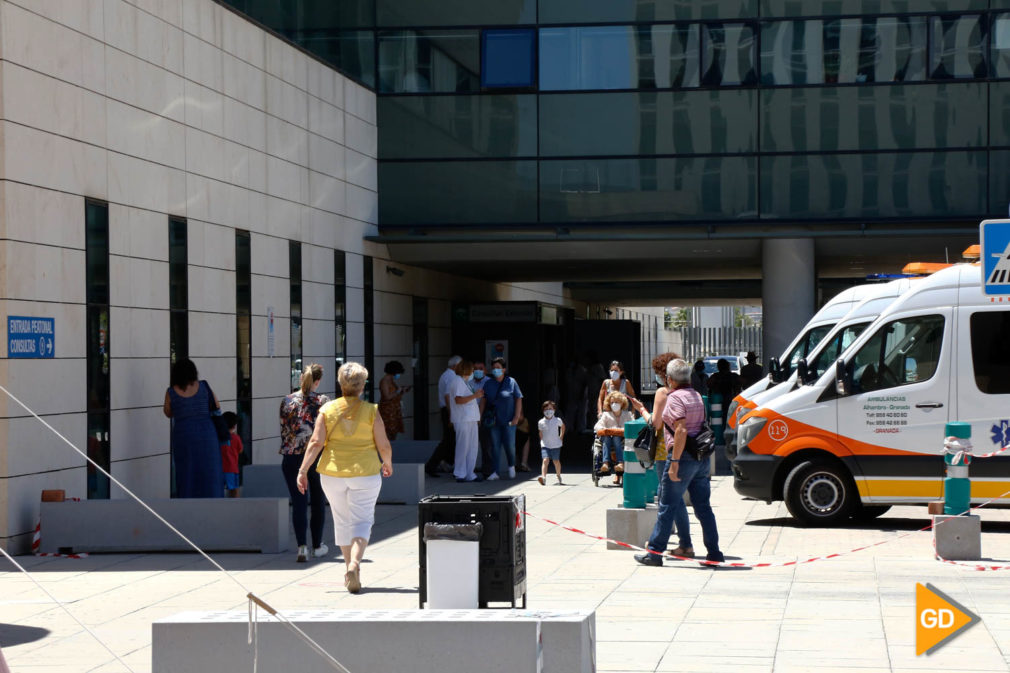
(220, 427)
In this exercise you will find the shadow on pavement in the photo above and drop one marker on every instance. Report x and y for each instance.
(18, 634)
(883, 524)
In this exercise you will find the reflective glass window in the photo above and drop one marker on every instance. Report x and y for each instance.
(845, 51)
(999, 118)
(99, 382)
(884, 185)
(444, 127)
(619, 57)
(507, 58)
(622, 11)
(350, 51)
(429, 61)
(902, 352)
(178, 288)
(957, 47)
(647, 189)
(990, 333)
(402, 13)
(826, 119)
(729, 56)
(295, 287)
(457, 192)
(368, 281)
(999, 185)
(772, 8)
(648, 122)
(1001, 45)
(243, 337)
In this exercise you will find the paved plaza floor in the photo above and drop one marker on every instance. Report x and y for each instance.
(853, 613)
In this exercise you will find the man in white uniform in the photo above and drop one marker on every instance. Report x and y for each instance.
(444, 455)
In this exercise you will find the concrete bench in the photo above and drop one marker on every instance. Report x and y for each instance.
(263, 481)
(391, 641)
(406, 486)
(214, 524)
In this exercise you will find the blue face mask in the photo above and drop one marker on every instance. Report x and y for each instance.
(497, 372)
(478, 374)
(396, 377)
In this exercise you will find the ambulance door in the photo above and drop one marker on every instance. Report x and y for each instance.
(897, 402)
(983, 394)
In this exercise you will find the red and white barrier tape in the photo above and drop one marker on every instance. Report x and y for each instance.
(783, 564)
(37, 542)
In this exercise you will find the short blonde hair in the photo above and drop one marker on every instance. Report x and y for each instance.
(616, 396)
(352, 377)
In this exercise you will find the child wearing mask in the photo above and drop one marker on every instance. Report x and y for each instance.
(611, 426)
(552, 436)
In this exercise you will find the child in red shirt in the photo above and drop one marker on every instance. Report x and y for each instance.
(229, 456)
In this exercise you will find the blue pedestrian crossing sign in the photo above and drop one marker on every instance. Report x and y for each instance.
(995, 256)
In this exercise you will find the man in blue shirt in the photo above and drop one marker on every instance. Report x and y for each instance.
(504, 399)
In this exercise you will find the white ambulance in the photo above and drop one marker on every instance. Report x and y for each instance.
(868, 433)
(807, 369)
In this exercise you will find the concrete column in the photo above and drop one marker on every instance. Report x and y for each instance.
(787, 291)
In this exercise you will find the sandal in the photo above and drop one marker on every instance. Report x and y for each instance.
(617, 480)
(619, 469)
(523, 467)
(352, 580)
(605, 468)
(681, 551)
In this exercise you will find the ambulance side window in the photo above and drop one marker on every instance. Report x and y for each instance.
(902, 352)
(990, 351)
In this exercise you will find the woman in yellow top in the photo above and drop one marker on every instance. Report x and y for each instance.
(355, 449)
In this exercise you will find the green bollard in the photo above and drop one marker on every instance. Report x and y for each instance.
(634, 473)
(631, 430)
(716, 419)
(957, 484)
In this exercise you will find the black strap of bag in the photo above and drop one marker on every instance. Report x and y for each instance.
(220, 426)
(698, 447)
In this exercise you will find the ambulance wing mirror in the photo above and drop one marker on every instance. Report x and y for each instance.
(841, 373)
(802, 371)
(775, 370)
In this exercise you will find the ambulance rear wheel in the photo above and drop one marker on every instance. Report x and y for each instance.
(820, 493)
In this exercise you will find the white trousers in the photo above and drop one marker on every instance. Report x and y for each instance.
(467, 448)
(352, 501)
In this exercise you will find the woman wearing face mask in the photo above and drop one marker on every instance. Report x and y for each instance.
(465, 415)
(391, 395)
(617, 382)
(611, 427)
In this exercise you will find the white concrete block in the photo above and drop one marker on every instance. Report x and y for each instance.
(204, 108)
(139, 333)
(144, 184)
(221, 374)
(287, 102)
(84, 16)
(138, 283)
(210, 245)
(33, 448)
(318, 339)
(134, 81)
(393, 341)
(326, 193)
(243, 39)
(24, 492)
(285, 62)
(326, 120)
(359, 101)
(360, 136)
(138, 233)
(46, 160)
(211, 290)
(394, 309)
(421, 641)
(54, 105)
(958, 538)
(36, 215)
(287, 141)
(148, 477)
(213, 524)
(244, 124)
(22, 379)
(69, 325)
(362, 204)
(633, 526)
(138, 382)
(138, 433)
(264, 481)
(203, 63)
(244, 82)
(361, 170)
(212, 335)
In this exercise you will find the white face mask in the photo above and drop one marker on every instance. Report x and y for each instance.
(660, 380)
(615, 375)
(616, 407)
(548, 413)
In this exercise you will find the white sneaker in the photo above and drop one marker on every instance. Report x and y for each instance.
(303, 554)
(493, 477)
(320, 551)
(512, 473)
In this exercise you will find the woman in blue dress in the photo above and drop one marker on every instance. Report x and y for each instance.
(195, 449)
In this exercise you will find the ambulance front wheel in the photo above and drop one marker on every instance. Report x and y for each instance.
(820, 493)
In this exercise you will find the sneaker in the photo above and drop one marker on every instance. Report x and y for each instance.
(541, 480)
(320, 551)
(493, 477)
(648, 559)
(303, 554)
(512, 473)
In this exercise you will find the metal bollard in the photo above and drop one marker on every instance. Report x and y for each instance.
(634, 473)
(716, 419)
(957, 458)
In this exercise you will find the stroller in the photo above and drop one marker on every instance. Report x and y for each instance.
(598, 457)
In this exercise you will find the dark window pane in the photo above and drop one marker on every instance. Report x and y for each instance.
(178, 265)
(481, 192)
(771, 8)
(907, 185)
(243, 310)
(957, 47)
(447, 127)
(98, 345)
(97, 252)
(619, 11)
(902, 352)
(999, 186)
(729, 55)
(429, 61)
(400, 13)
(295, 283)
(664, 122)
(990, 333)
(1001, 45)
(98, 451)
(999, 117)
(339, 306)
(818, 51)
(825, 119)
(713, 188)
(368, 281)
(179, 326)
(350, 51)
(619, 57)
(507, 58)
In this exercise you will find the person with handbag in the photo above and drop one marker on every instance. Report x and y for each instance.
(298, 414)
(196, 452)
(690, 445)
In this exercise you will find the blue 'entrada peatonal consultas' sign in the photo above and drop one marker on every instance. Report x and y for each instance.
(30, 337)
